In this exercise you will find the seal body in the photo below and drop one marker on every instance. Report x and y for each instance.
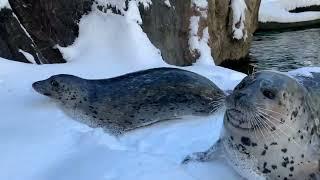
(134, 100)
(271, 127)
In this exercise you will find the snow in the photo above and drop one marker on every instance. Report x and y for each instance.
(167, 3)
(146, 3)
(239, 14)
(4, 4)
(200, 3)
(278, 11)
(39, 142)
(133, 12)
(305, 71)
(198, 42)
(28, 56)
(118, 4)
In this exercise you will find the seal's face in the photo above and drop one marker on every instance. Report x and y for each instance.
(264, 102)
(57, 86)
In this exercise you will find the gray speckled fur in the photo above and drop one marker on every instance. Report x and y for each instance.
(134, 100)
(287, 149)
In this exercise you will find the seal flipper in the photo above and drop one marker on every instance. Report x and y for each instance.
(214, 152)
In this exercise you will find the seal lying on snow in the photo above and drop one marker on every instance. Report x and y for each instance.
(271, 128)
(133, 100)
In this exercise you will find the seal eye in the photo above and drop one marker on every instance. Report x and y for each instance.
(54, 83)
(269, 94)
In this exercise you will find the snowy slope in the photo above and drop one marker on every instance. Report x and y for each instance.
(278, 11)
(39, 142)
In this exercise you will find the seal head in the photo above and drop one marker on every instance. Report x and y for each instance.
(57, 86)
(268, 122)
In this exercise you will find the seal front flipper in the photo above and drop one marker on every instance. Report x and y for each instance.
(213, 153)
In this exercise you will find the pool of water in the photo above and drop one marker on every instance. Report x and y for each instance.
(282, 51)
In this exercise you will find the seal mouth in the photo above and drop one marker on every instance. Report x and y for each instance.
(235, 117)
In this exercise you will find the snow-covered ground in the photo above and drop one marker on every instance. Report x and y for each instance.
(278, 11)
(39, 142)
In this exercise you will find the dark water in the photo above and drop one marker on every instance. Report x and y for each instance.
(282, 51)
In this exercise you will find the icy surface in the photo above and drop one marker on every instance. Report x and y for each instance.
(278, 11)
(39, 142)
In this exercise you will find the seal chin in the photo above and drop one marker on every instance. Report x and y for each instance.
(237, 119)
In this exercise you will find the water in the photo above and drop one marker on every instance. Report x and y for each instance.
(282, 51)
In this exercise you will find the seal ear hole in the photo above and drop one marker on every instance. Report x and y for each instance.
(270, 94)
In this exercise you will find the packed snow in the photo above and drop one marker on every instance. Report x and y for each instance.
(239, 8)
(278, 11)
(39, 142)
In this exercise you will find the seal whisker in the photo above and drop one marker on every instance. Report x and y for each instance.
(259, 107)
(269, 126)
(252, 121)
(260, 128)
(281, 130)
(287, 125)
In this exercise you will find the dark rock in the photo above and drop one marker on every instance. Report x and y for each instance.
(276, 26)
(51, 22)
(168, 29)
(304, 9)
(13, 38)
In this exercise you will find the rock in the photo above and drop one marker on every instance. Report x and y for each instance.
(13, 38)
(220, 18)
(168, 29)
(304, 9)
(277, 26)
(49, 23)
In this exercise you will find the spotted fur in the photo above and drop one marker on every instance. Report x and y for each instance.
(133, 100)
(271, 127)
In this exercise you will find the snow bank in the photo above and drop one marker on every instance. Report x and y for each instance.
(39, 142)
(278, 11)
(239, 16)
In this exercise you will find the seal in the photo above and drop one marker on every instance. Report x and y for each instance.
(271, 128)
(133, 100)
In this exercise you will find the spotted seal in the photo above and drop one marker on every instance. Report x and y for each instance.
(133, 100)
(271, 128)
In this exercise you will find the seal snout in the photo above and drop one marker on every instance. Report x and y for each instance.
(38, 86)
